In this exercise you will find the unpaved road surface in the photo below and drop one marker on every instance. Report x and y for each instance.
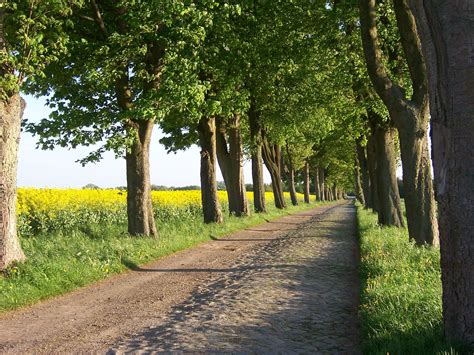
(289, 285)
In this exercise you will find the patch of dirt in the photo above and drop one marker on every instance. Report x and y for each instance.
(289, 285)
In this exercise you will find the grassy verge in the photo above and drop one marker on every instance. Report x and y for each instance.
(61, 262)
(401, 292)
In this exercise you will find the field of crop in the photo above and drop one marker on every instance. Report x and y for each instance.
(48, 210)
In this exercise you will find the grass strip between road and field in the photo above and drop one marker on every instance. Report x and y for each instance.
(401, 309)
(61, 262)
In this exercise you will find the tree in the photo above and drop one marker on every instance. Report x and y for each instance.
(121, 77)
(409, 114)
(447, 30)
(31, 36)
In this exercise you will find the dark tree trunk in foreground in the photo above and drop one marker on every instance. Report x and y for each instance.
(389, 206)
(272, 158)
(364, 174)
(410, 116)
(257, 160)
(447, 32)
(317, 190)
(230, 158)
(141, 220)
(210, 199)
(306, 178)
(11, 112)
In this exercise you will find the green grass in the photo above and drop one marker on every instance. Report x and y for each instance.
(61, 262)
(400, 310)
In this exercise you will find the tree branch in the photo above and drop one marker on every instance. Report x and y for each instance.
(389, 92)
(98, 18)
(413, 51)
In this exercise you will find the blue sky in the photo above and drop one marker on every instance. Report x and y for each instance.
(57, 168)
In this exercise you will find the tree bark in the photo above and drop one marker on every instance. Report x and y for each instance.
(272, 158)
(364, 173)
(11, 112)
(306, 178)
(291, 177)
(230, 158)
(141, 220)
(372, 168)
(410, 116)
(389, 211)
(210, 200)
(257, 160)
(322, 188)
(291, 180)
(357, 182)
(447, 32)
(317, 185)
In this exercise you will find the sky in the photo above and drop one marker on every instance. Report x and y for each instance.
(58, 168)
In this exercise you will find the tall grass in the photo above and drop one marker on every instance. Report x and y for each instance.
(61, 261)
(400, 310)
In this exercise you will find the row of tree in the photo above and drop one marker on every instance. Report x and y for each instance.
(305, 87)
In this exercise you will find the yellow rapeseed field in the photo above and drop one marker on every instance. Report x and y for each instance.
(41, 210)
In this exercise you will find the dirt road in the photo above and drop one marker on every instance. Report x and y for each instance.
(287, 286)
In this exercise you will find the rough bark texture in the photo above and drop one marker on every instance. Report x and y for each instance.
(410, 116)
(447, 30)
(11, 112)
(389, 211)
(364, 174)
(272, 158)
(210, 200)
(306, 178)
(141, 220)
(230, 158)
(257, 160)
(372, 168)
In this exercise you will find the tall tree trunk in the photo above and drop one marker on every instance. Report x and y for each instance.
(322, 188)
(364, 173)
(389, 211)
(334, 192)
(291, 177)
(306, 178)
(417, 181)
(291, 180)
(357, 182)
(141, 220)
(11, 112)
(317, 185)
(372, 168)
(230, 158)
(410, 116)
(257, 160)
(447, 31)
(210, 199)
(272, 158)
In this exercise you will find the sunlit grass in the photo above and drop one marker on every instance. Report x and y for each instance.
(401, 310)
